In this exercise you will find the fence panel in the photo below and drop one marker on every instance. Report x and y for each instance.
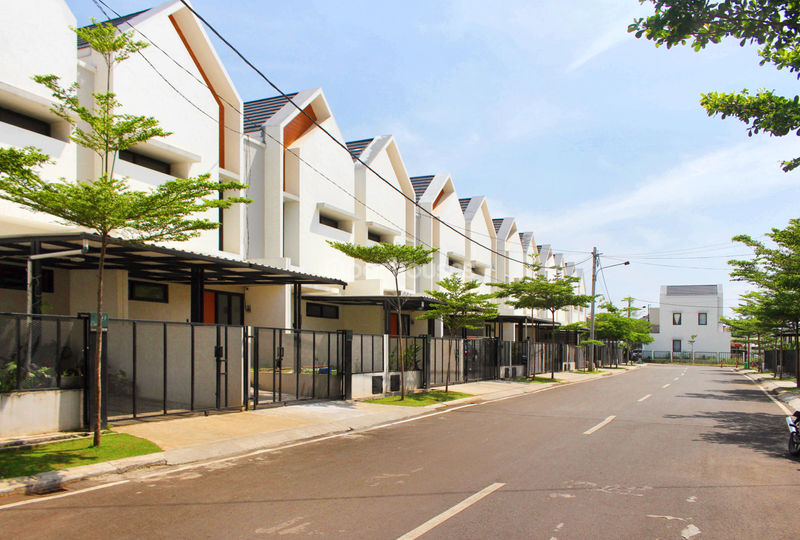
(39, 352)
(413, 351)
(367, 353)
(445, 360)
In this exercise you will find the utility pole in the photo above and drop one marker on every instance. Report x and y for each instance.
(591, 326)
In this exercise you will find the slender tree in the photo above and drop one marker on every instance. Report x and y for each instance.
(775, 271)
(460, 307)
(539, 292)
(107, 205)
(772, 24)
(397, 259)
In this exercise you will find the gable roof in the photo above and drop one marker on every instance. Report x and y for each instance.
(258, 111)
(498, 222)
(420, 184)
(82, 43)
(464, 203)
(356, 147)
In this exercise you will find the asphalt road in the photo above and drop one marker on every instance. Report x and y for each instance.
(661, 452)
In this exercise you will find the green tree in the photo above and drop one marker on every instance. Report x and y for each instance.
(542, 293)
(107, 205)
(397, 259)
(751, 320)
(775, 271)
(772, 24)
(460, 307)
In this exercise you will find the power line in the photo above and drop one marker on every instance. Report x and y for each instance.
(335, 140)
(303, 112)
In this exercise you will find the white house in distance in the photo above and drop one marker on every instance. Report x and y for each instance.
(685, 311)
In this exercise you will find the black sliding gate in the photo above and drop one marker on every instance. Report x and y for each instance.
(480, 359)
(296, 365)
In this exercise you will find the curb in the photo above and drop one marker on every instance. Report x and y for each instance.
(790, 398)
(45, 482)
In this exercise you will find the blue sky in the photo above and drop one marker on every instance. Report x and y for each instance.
(561, 118)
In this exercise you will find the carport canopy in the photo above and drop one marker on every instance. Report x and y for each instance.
(154, 263)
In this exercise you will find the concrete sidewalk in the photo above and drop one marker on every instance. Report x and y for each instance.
(782, 389)
(201, 438)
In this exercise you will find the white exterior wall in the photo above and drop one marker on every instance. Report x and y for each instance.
(479, 227)
(711, 337)
(43, 411)
(449, 241)
(315, 255)
(23, 55)
(384, 207)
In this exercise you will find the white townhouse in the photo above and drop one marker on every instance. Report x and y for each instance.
(481, 240)
(180, 81)
(685, 311)
(530, 253)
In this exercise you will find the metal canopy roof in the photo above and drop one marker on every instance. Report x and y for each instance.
(416, 302)
(151, 262)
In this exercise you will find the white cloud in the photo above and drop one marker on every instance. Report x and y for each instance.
(614, 34)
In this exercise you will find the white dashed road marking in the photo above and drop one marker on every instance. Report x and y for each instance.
(666, 385)
(600, 425)
(447, 514)
(644, 398)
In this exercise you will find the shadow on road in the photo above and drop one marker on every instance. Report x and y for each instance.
(728, 395)
(764, 433)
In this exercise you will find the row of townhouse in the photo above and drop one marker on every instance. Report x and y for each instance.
(269, 264)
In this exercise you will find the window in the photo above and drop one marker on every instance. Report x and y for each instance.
(145, 291)
(454, 263)
(145, 161)
(16, 278)
(477, 270)
(676, 319)
(24, 121)
(375, 237)
(228, 308)
(676, 345)
(329, 222)
(702, 319)
(322, 311)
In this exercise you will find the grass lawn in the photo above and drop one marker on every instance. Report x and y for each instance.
(537, 379)
(595, 372)
(421, 399)
(71, 453)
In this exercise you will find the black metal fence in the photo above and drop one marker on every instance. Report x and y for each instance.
(42, 352)
(412, 349)
(782, 362)
(296, 365)
(368, 353)
(156, 367)
(445, 361)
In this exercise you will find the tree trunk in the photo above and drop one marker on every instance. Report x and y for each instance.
(553, 343)
(447, 375)
(796, 354)
(98, 350)
(401, 350)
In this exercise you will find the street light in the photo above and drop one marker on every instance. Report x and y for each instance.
(594, 282)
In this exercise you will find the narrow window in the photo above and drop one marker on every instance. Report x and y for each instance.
(375, 237)
(477, 270)
(676, 319)
(24, 121)
(328, 222)
(323, 311)
(16, 278)
(702, 319)
(676, 345)
(145, 161)
(145, 291)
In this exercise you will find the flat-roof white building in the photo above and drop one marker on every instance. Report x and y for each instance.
(685, 311)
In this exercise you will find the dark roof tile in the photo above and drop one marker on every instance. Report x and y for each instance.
(82, 43)
(420, 184)
(357, 147)
(464, 203)
(258, 111)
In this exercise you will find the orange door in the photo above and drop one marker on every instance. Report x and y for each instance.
(209, 307)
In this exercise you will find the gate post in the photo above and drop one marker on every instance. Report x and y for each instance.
(426, 357)
(347, 363)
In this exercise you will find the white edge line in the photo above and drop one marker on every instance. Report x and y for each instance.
(783, 407)
(447, 514)
(600, 425)
(60, 495)
(644, 398)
